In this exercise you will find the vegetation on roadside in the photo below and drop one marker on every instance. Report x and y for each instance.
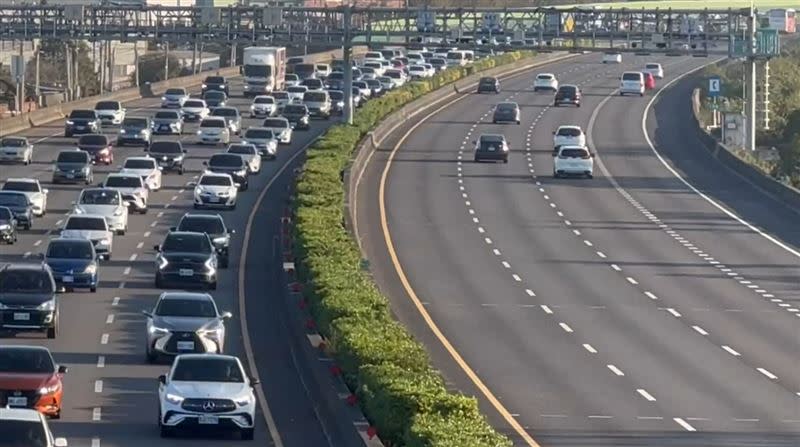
(390, 372)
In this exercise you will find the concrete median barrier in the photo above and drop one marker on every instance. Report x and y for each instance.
(14, 124)
(46, 115)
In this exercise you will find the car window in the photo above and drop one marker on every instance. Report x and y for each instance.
(297, 89)
(13, 142)
(107, 105)
(191, 243)
(135, 122)
(193, 104)
(124, 181)
(23, 433)
(568, 90)
(213, 123)
(207, 370)
(280, 95)
(574, 153)
(255, 133)
(140, 163)
(203, 224)
(225, 111)
(506, 107)
(491, 145)
(72, 157)
(175, 91)
(214, 95)
(100, 197)
(76, 249)
(295, 108)
(166, 147)
(544, 77)
(11, 199)
(247, 149)
(176, 307)
(86, 223)
(631, 76)
(22, 360)
(226, 161)
(569, 132)
(26, 281)
(214, 180)
(82, 114)
(15, 185)
(652, 66)
(167, 114)
(264, 100)
(215, 80)
(93, 140)
(315, 96)
(275, 123)
(291, 77)
(336, 95)
(335, 76)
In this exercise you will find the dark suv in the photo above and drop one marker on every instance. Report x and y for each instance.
(82, 121)
(231, 164)
(298, 116)
(491, 85)
(186, 258)
(568, 94)
(28, 301)
(168, 154)
(22, 208)
(218, 83)
(73, 167)
(214, 226)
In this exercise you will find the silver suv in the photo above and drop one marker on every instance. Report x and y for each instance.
(232, 118)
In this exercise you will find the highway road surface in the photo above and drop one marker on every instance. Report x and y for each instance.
(631, 309)
(110, 391)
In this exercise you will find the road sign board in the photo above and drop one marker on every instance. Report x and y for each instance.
(767, 44)
(17, 67)
(426, 21)
(714, 86)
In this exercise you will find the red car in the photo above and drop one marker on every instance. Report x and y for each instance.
(98, 146)
(649, 81)
(29, 378)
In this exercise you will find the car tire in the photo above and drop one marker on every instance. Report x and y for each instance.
(212, 286)
(52, 332)
(29, 225)
(247, 434)
(108, 256)
(93, 289)
(151, 358)
(223, 262)
(159, 284)
(143, 210)
(181, 171)
(590, 176)
(121, 232)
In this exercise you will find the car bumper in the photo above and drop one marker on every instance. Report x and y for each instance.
(167, 130)
(102, 158)
(26, 320)
(205, 139)
(262, 112)
(77, 130)
(173, 344)
(170, 104)
(175, 279)
(491, 156)
(574, 102)
(214, 201)
(76, 280)
(70, 178)
(12, 157)
(636, 91)
(573, 170)
(170, 165)
(138, 139)
(110, 119)
(180, 418)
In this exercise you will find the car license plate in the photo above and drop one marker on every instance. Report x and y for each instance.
(214, 199)
(164, 127)
(185, 346)
(206, 419)
(186, 272)
(17, 401)
(164, 163)
(22, 316)
(67, 279)
(70, 175)
(79, 127)
(492, 148)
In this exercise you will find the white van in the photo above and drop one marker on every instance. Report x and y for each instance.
(470, 55)
(455, 58)
(632, 82)
(374, 55)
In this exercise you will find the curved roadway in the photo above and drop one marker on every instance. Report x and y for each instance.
(623, 310)
(110, 391)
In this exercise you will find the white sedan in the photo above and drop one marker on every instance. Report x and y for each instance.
(33, 191)
(147, 168)
(104, 202)
(612, 58)
(194, 110)
(16, 149)
(215, 190)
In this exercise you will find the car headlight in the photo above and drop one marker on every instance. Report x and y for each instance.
(45, 390)
(48, 305)
(122, 131)
(198, 191)
(91, 269)
(162, 262)
(179, 158)
(209, 264)
(104, 151)
(70, 122)
(204, 86)
(157, 330)
(119, 211)
(105, 241)
(5, 227)
(199, 132)
(220, 240)
(163, 98)
(241, 173)
(244, 401)
(86, 169)
(174, 398)
(215, 333)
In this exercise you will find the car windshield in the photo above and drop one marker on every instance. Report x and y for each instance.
(191, 243)
(26, 281)
(214, 95)
(567, 90)
(166, 147)
(373, 83)
(82, 114)
(264, 100)
(134, 122)
(295, 109)
(280, 95)
(275, 123)
(297, 89)
(214, 180)
(483, 80)
(94, 140)
(13, 200)
(100, 197)
(569, 132)
(74, 249)
(13, 142)
(139, 163)
(421, 68)
(336, 95)
(107, 105)
(213, 123)
(656, 66)
(18, 433)
(224, 111)
(209, 225)
(312, 83)
(215, 80)
(574, 153)
(86, 223)
(21, 360)
(336, 76)
(72, 157)
(394, 74)
(167, 114)
(175, 91)
(631, 76)
(190, 308)
(291, 77)
(208, 370)
(315, 97)
(193, 104)
(226, 161)
(15, 185)
(252, 133)
(506, 107)
(5, 213)
(360, 84)
(124, 181)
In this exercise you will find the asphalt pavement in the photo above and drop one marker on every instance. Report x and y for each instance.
(621, 310)
(110, 394)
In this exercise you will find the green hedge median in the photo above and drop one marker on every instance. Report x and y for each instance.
(391, 373)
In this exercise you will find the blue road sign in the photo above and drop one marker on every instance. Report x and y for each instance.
(714, 86)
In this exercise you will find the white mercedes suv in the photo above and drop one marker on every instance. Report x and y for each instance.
(206, 390)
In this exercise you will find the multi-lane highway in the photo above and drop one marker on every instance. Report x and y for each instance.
(633, 308)
(110, 390)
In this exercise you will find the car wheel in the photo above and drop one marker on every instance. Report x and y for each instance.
(247, 434)
(121, 232)
(151, 358)
(212, 286)
(28, 225)
(505, 160)
(223, 262)
(53, 331)
(196, 206)
(143, 210)
(108, 256)
(589, 176)
(93, 289)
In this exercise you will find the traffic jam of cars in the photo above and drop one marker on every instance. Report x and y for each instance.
(112, 163)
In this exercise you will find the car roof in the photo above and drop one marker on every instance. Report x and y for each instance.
(20, 179)
(214, 118)
(99, 188)
(15, 137)
(20, 414)
(215, 174)
(28, 266)
(93, 216)
(508, 103)
(546, 74)
(140, 158)
(122, 174)
(70, 240)
(23, 348)
(186, 233)
(202, 216)
(181, 295)
(492, 137)
(572, 146)
(208, 356)
(253, 128)
(570, 126)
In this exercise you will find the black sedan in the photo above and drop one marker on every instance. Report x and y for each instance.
(186, 259)
(214, 226)
(298, 116)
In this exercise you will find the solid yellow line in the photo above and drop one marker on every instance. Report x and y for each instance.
(418, 303)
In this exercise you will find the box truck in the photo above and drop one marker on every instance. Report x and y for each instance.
(264, 69)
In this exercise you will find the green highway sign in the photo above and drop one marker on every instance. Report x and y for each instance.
(768, 44)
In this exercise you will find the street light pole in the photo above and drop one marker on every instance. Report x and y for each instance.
(347, 50)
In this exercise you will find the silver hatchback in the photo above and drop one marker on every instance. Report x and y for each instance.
(184, 323)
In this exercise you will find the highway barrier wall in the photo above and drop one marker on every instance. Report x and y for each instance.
(45, 115)
(733, 161)
(390, 373)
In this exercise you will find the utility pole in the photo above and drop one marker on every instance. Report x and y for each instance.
(37, 89)
(347, 55)
(166, 60)
(751, 117)
(68, 57)
(111, 62)
(136, 62)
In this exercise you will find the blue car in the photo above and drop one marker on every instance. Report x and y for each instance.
(74, 263)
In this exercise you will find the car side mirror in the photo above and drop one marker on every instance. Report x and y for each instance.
(172, 228)
(226, 315)
(185, 151)
(592, 154)
(157, 247)
(41, 256)
(62, 369)
(555, 154)
(162, 379)
(45, 191)
(60, 442)
(254, 381)
(205, 163)
(147, 313)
